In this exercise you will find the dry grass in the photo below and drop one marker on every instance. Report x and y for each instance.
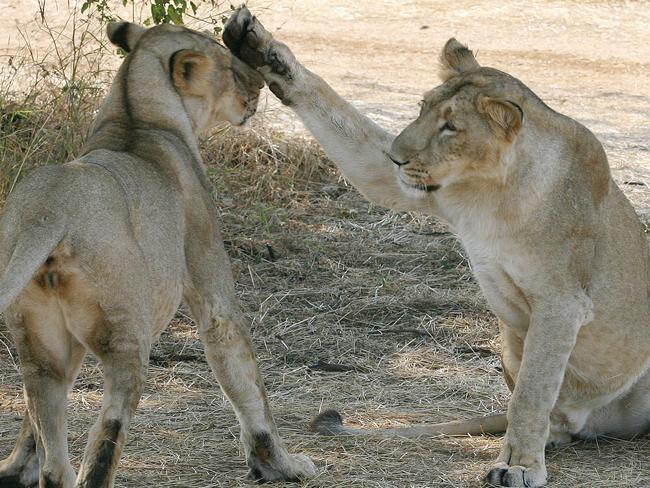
(326, 279)
(47, 99)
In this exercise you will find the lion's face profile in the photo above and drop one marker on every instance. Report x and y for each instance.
(214, 85)
(464, 127)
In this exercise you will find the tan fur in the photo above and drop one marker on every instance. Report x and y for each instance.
(554, 244)
(98, 253)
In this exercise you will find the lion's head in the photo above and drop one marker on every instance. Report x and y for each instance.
(464, 127)
(213, 84)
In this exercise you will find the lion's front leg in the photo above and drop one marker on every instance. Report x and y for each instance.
(229, 351)
(230, 354)
(358, 146)
(550, 339)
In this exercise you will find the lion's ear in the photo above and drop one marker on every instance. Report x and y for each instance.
(455, 58)
(506, 117)
(191, 71)
(125, 34)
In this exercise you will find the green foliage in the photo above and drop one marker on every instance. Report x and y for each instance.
(102, 8)
(170, 11)
(162, 11)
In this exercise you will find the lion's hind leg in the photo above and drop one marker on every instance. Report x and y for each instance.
(626, 417)
(122, 342)
(50, 358)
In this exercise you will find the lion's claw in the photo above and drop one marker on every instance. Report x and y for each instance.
(503, 474)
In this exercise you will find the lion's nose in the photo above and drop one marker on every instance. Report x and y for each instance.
(398, 162)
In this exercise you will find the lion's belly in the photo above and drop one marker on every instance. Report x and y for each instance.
(166, 300)
(166, 271)
(161, 237)
(626, 416)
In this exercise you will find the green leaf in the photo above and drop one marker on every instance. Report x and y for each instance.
(174, 15)
(157, 13)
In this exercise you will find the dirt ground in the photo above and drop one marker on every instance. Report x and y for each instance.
(387, 297)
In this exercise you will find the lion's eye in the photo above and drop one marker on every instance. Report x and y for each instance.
(448, 126)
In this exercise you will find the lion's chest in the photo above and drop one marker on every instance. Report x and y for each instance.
(503, 278)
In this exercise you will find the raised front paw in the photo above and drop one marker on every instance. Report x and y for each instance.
(247, 38)
(503, 474)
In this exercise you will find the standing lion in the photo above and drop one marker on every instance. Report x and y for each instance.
(97, 254)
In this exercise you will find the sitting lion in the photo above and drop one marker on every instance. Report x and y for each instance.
(97, 254)
(555, 246)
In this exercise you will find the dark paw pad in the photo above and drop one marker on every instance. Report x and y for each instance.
(240, 37)
(254, 474)
(266, 461)
(52, 482)
(495, 476)
(262, 446)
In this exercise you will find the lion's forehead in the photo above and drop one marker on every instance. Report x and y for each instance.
(439, 94)
(444, 106)
(465, 88)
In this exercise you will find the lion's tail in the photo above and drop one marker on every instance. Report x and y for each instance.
(330, 423)
(32, 248)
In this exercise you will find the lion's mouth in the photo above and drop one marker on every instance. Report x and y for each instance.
(417, 178)
(427, 188)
